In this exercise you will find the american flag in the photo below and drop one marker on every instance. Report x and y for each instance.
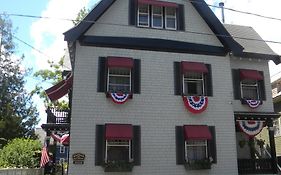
(44, 156)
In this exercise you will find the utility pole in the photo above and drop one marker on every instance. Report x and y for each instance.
(221, 5)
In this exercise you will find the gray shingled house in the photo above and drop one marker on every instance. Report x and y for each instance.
(163, 87)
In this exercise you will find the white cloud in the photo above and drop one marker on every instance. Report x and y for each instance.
(47, 34)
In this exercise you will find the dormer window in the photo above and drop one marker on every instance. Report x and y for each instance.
(158, 14)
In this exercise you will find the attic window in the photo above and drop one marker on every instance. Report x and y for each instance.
(157, 14)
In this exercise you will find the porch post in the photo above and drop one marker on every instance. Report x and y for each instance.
(272, 145)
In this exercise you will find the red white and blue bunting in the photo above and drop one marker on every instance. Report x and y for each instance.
(254, 103)
(250, 127)
(119, 98)
(195, 104)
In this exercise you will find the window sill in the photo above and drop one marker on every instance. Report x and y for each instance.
(118, 166)
(198, 165)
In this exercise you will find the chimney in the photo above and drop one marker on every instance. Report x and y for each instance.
(221, 5)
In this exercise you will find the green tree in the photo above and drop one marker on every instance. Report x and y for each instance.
(80, 16)
(52, 75)
(18, 115)
(21, 153)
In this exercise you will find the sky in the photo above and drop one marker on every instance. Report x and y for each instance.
(46, 35)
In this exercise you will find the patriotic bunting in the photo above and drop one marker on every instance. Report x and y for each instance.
(195, 104)
(44, 156)
(119, 98)
(252, 103)
(250, 127)
(63, 139)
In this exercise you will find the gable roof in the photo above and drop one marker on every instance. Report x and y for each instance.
(222, 32)
(254, 45)
(74, 33)
(200, 5)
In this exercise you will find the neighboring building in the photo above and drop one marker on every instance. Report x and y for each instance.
(41, 134)
(62, 154)
(162, 87)
(276, 95)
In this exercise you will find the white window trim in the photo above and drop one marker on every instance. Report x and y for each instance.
(247, 85)
(170, 16)
(123, 144)
(62, 149)
(192, 145)
(193, 79)
(62, 160)
(116, 75)
(148, 16)
(152, 17)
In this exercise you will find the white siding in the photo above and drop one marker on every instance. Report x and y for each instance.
(114, 22)
(157, 110)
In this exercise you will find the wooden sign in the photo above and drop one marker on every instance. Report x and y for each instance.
(78, 158)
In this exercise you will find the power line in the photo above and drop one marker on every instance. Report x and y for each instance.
(186, 31)
(238, 11)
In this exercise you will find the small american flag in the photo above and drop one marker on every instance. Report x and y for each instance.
(44, 156)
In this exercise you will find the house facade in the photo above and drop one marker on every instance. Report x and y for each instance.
(161, 87)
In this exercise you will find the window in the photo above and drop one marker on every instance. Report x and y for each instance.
(196, 150)
(117, 143)
(249, 89)
(248, 85)
(119, 80)
(119, 75)
(118, 150)
(195, 143)
(192, 79)
(157, 17)
(276, 126)
(157, 14)
(62, 160)
(62, 149)
(143, 15)
(193, 83)
(170, 18)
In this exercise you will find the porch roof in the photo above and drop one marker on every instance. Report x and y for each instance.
(255, 115)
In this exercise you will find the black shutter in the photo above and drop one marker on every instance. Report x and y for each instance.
(136, 145)
(102, 75)
(132, 12)
(177, 78)
(208, 81)
(100, 145)
(236, 84)
(180, 145)
(261, 87)
(180, 17)
(136, 77)
(212, 148)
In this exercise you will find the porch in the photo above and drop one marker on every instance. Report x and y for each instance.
(254, 155)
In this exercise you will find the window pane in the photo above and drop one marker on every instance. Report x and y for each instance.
(143, 20)
(250, 92)
(171, 23)
(157, 10)
(157, 21)
(196, 149)
(143, 8)
(119, 80)
(170, 11)
(193, 75)
(118, 153)
(193, 83)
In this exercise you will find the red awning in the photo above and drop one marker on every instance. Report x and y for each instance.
(120, 62)
(158, 3)
(193, 67)
(59, 90)
(250, 74)
(197, 132)
(118, 131)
